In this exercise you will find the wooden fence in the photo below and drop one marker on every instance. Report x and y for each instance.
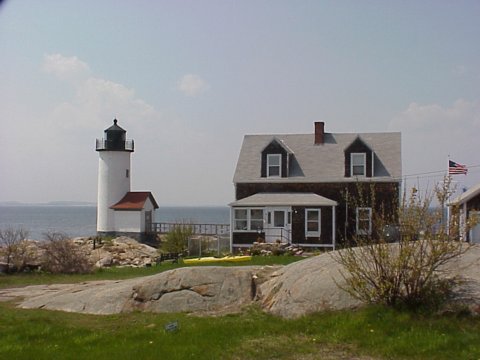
(197, 229)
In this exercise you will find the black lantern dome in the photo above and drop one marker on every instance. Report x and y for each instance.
(115, 140)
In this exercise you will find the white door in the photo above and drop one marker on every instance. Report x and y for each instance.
(278, 224)
(475, 231)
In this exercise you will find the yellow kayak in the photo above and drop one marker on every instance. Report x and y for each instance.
(214, 259)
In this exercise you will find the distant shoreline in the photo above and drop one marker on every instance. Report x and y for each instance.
(79, 203)
(52, 203)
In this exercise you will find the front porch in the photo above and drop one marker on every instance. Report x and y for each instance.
(303, 219)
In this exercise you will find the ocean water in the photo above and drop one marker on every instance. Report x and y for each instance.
(81, 220)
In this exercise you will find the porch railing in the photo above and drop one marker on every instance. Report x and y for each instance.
(285, 235)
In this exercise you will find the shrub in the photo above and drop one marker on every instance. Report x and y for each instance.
(405, 273)
(15, 249)
(61, 255)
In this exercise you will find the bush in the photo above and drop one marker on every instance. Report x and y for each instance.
(405, 273)
(176, 241)
(61, 255)
(15, 249)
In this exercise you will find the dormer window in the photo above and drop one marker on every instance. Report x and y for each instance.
(359, 159)
(274, 165)
(358, 164)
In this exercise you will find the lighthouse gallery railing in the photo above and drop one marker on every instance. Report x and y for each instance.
(104, 144)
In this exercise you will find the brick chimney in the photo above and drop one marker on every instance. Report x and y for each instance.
(319, 132)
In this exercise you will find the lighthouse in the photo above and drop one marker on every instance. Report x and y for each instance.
(119, 210)
(113, 174)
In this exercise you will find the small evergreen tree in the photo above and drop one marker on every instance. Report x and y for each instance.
(176, 240)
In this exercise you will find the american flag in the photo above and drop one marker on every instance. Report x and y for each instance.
(454, 168)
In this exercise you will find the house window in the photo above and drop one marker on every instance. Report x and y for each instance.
(312, 222)
(248, 219)
(358, 164)
(256, 219)
(364, 221)
(241, 219)
(274, 165)
(127, 173)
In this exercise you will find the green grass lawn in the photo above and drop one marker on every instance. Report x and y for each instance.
(373, 331)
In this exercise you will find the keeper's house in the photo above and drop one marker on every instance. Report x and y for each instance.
(295, 188)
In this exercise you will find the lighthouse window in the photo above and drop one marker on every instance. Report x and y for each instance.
(127, 173)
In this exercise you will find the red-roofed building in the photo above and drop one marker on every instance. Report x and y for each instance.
(134, 212)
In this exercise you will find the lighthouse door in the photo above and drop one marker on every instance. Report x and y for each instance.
(148, 221)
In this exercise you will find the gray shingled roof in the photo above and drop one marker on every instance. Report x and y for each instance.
(320, 163)
(284, 199)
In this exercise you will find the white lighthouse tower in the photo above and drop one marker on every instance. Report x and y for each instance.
(119, 210)
(113, 175)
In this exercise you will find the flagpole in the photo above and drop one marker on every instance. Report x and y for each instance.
(448, 207)
(448, 165)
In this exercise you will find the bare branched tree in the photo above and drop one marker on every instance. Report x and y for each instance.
(406, 272)
(61, 255)
(14, 248)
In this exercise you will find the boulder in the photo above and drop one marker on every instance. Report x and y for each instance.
(105, 261)
(313, 284)
(199, 290)
(290, 291)
(123, 251)
(95, 297)
(305, 287)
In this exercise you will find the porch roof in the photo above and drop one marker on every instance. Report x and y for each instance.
(466, 196)
(284, 199)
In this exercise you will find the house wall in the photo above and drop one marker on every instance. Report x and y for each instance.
(298, 226)
(246, 238)
(128, 221)
(386, 199)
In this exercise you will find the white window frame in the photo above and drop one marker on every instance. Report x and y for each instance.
(364, 163)
(279, 157)
(358, 220)
(235, 219)
(319, 223)
(248, 219)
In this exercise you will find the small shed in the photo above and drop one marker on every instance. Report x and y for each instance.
(134, 213)
(468, 205)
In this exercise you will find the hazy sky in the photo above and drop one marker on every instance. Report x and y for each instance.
(188, 79)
